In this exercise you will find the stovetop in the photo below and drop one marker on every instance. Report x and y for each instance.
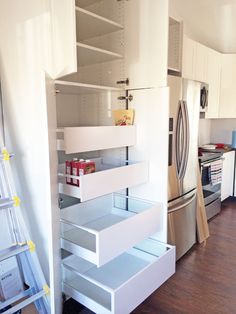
(207, 156)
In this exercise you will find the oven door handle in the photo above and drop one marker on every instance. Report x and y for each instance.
(184, 204)
(209, 163)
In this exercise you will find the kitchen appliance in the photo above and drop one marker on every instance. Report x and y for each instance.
(211, 190)
(204, 97)
(183, 162)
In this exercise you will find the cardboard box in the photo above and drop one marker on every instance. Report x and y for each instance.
(11, 283)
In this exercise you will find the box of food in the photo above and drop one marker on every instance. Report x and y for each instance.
(68, 171)
(75, 169)
(87, 167)
(123, 117)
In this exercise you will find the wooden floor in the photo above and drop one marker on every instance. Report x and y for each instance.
(205, 278)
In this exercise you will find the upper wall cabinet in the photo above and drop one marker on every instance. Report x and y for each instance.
(121, 44)
(189, 49)
(194, 60)
(228, 91)
(200, 63)
(214, 73)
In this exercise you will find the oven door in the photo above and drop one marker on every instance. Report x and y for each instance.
(210, 192)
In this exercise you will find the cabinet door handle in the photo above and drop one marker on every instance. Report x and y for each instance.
(126, 82)
(129, 98)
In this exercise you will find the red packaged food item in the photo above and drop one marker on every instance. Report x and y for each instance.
(68, 171)
(86, 167)
(75, 165)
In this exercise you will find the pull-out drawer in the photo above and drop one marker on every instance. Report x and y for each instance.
(107, 179)
(101, 229)
(85, 139)
(122, 284)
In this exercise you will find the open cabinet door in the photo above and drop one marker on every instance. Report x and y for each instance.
(151, 120)
(146, 43)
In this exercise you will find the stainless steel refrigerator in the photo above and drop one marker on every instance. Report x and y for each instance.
(183, 162)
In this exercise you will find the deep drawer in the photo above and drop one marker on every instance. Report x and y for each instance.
(122, 284)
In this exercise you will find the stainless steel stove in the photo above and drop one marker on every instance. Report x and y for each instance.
(211, 174)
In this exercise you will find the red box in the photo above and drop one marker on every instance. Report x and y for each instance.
(87, 167)
(75, 165)
(68, 171)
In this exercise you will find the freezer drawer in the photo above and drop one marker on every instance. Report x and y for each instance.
(114, 177)
(182, 225)
(101, 229)
(85, 139)
(122, 284)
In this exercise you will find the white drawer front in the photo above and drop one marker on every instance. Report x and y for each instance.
(135, 274)
(85, 139)
(101, 229)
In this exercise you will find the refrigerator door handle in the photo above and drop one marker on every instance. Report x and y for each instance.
(182, 132)
(179, 139)
(184, 204)
(186, 138)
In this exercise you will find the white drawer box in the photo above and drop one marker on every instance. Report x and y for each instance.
(122, 284)
(85, 139)
(101, 229)
(107, 179)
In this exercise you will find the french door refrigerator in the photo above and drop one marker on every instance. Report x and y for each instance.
(183, 162)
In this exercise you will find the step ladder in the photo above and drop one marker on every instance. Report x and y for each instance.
(22, 249)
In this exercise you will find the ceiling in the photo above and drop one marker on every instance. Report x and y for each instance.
(211, 22)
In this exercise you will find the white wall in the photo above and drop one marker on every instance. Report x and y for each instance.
(204, 136)
(221, 130)
(25, 54)
(216, 131)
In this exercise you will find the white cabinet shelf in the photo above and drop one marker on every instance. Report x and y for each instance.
(122, 284)
(101, 229)
(91, 55)
(107, 179)
(76, 88)
(85, 139)
(91, 25)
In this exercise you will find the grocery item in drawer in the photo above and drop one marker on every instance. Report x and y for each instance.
(87, 167)
(123, 117)
(68, 171)
(75, 165)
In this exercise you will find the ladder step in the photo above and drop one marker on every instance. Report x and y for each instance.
(12, 300)
(6, 203)
(13, 251)
(25, 302)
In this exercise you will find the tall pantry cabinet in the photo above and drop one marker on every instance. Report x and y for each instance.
(112, 228)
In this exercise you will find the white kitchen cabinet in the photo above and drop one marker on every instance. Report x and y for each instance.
(146, 42)
(227, 175)
(124, 42)
(227, 107)
(200, 63)
(194, 60)
(120, 48)
(214, 78)
(189, 50)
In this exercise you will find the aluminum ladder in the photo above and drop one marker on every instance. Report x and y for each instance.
(22, 249)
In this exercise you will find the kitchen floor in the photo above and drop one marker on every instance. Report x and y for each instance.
(205, 278)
